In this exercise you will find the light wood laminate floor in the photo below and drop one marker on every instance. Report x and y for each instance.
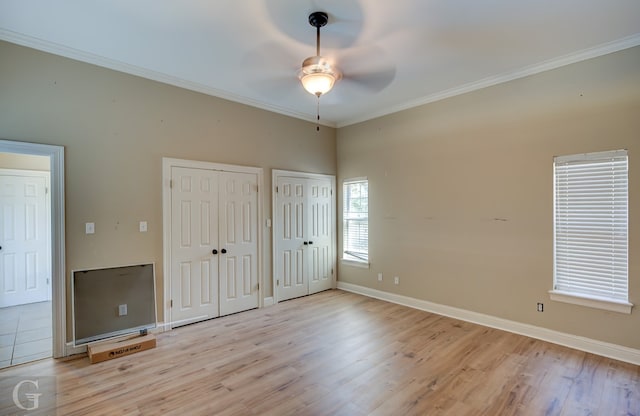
(337, 353)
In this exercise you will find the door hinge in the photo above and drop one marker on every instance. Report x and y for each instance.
(46, 190)
(171, 301)
(332, 272)
(277, 282)
(258, 286)
(277, 189)
(47, 280)
(170, 183)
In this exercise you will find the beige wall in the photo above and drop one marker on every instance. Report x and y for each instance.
(24, 162)
(116, 128)
(461, 198)
(460, 190)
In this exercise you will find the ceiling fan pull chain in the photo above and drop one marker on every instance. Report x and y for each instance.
(318, 113)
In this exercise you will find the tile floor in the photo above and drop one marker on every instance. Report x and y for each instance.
(25, 333)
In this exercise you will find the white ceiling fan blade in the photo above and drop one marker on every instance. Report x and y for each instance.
(281, 66)
(280, 88)
(367, 68)
(374, 81)
(271, 55)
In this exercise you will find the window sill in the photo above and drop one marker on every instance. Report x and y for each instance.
(591, 302)
(355, 263)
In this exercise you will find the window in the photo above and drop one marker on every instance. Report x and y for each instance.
(590, 214)
(356, 221)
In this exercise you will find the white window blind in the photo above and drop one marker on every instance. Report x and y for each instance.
(590, 200)
(356, 220)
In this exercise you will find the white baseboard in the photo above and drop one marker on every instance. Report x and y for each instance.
(160, 327)
(71, 349)
(617, 352)
(268, 301)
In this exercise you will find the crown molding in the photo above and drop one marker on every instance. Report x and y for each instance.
(572, 58)
(86, 57)
(72, 53)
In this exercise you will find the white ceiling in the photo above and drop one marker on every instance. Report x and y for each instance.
(394, 54)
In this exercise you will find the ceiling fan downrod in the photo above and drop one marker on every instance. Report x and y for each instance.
(317, 75)
(318, 20)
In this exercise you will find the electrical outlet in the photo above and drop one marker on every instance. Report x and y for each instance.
(89, 228)
(379, 277)
(540, 307)
(143, 226)
(396, 280)
(122, 310)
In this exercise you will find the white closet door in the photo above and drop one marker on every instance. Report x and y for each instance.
(290, 262)
(238, 242)
(194, 228)
(319, 235)
(303, 234)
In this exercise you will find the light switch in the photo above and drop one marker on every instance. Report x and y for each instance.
(143, 226)
(89, 228)
(122, 310)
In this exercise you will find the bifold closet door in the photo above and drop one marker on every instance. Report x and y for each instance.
(194, 230)
(319, 234)
(238, 242)
(303, 253)
(290, 255)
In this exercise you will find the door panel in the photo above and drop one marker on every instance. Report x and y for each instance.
(24, 240)
(239, 237)
(194, 267)
(320, 233)
(290, 260)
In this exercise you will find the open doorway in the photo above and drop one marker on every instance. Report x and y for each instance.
(25, 259)
(32, 283)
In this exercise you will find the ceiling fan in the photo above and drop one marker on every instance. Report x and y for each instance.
(363, 66)
(317, 74)
(350, 70)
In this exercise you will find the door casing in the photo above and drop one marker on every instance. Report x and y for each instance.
(58, 267)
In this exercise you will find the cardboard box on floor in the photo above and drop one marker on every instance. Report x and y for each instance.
(109, 350)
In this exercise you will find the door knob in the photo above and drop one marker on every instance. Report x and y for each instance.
(305, 243)
(215, 251)
(310, 242)
(223, 251)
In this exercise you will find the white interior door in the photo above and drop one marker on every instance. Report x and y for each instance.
(24, 239)
(290, 261)
(194, 228)
(319, 252)
(238, 242)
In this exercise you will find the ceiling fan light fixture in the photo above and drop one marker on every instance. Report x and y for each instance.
(317, 75)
